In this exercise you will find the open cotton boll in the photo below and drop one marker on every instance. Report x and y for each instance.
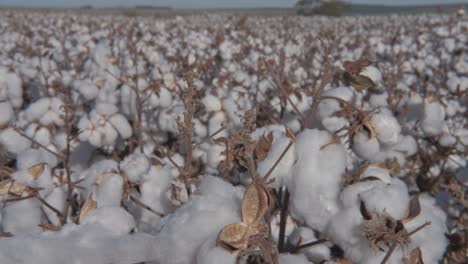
(431, 239)
(391, 198)
(346, 227)
(109, 191)
(57, 200)
(216, 204)
(376, 171)
(215, 154)
(98, 169)
(456, 83)
(135, 166)
(386, 127)
(86, 88)
(13, 141)
(112, 218)
(46, 111)
(316, 179)
(22, 216)
(304, 235)
(407, 145)
(328, 107)
(373, 73)
(41, 179)
(153, 193)
(212, 103)
(210, 253)
(78, 244)
(434, 116)
(216, 122)
(364, 146)
(282, 173)
(6, 113)
(13, 84)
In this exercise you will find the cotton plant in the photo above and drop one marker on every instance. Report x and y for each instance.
(385, 147)
(361, 210)
(103, 126)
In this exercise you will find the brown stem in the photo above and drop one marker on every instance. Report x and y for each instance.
(140, 203)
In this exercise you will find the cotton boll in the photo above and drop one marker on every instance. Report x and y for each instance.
(434, 116)
(22, 216)
(407, 145)
(333, 123)
(345, 230)
(57, 200)
(211, 253)
(135, 166)
(282, 173)
(329, 106)
(114, 219)
(211, 103)
(109, 191)
(200, 130)
(376, 171)
(372, 73)
(316, 177)
(215, 154)
(217, 204)
(165, 98)
(386, 127)
(364, 146)
(392, 199)
(42, 180)
(431, 239)
(6, 113)
(153, 193)
(216, 122)
(13, 141)
(447, 140)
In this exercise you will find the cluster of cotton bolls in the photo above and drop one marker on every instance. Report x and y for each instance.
(98, 163)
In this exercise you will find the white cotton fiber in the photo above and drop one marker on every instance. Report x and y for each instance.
(316, 179)
(22, 217)
(135, 166)
(109, 191)
(6, 113)
(217, 204)
(386, 127)
(114, 219)
(434, 115)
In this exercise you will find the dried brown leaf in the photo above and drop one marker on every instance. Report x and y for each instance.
(415, 257)
(358, 81)
(50, 227)
(364, 212)
(414, 209)
(263, 146)
(17, 188)
(234, 236)
(36, 170)
(88, 206)
(5, 186)
(355, 67)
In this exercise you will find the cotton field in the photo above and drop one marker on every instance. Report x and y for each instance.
(219, 138)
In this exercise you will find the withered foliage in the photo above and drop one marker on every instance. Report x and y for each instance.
(385, 233)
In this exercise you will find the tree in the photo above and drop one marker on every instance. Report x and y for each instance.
(321, 7)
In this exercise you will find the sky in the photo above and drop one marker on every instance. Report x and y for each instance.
(198, 3)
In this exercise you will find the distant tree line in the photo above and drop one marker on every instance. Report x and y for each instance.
(322, 7)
